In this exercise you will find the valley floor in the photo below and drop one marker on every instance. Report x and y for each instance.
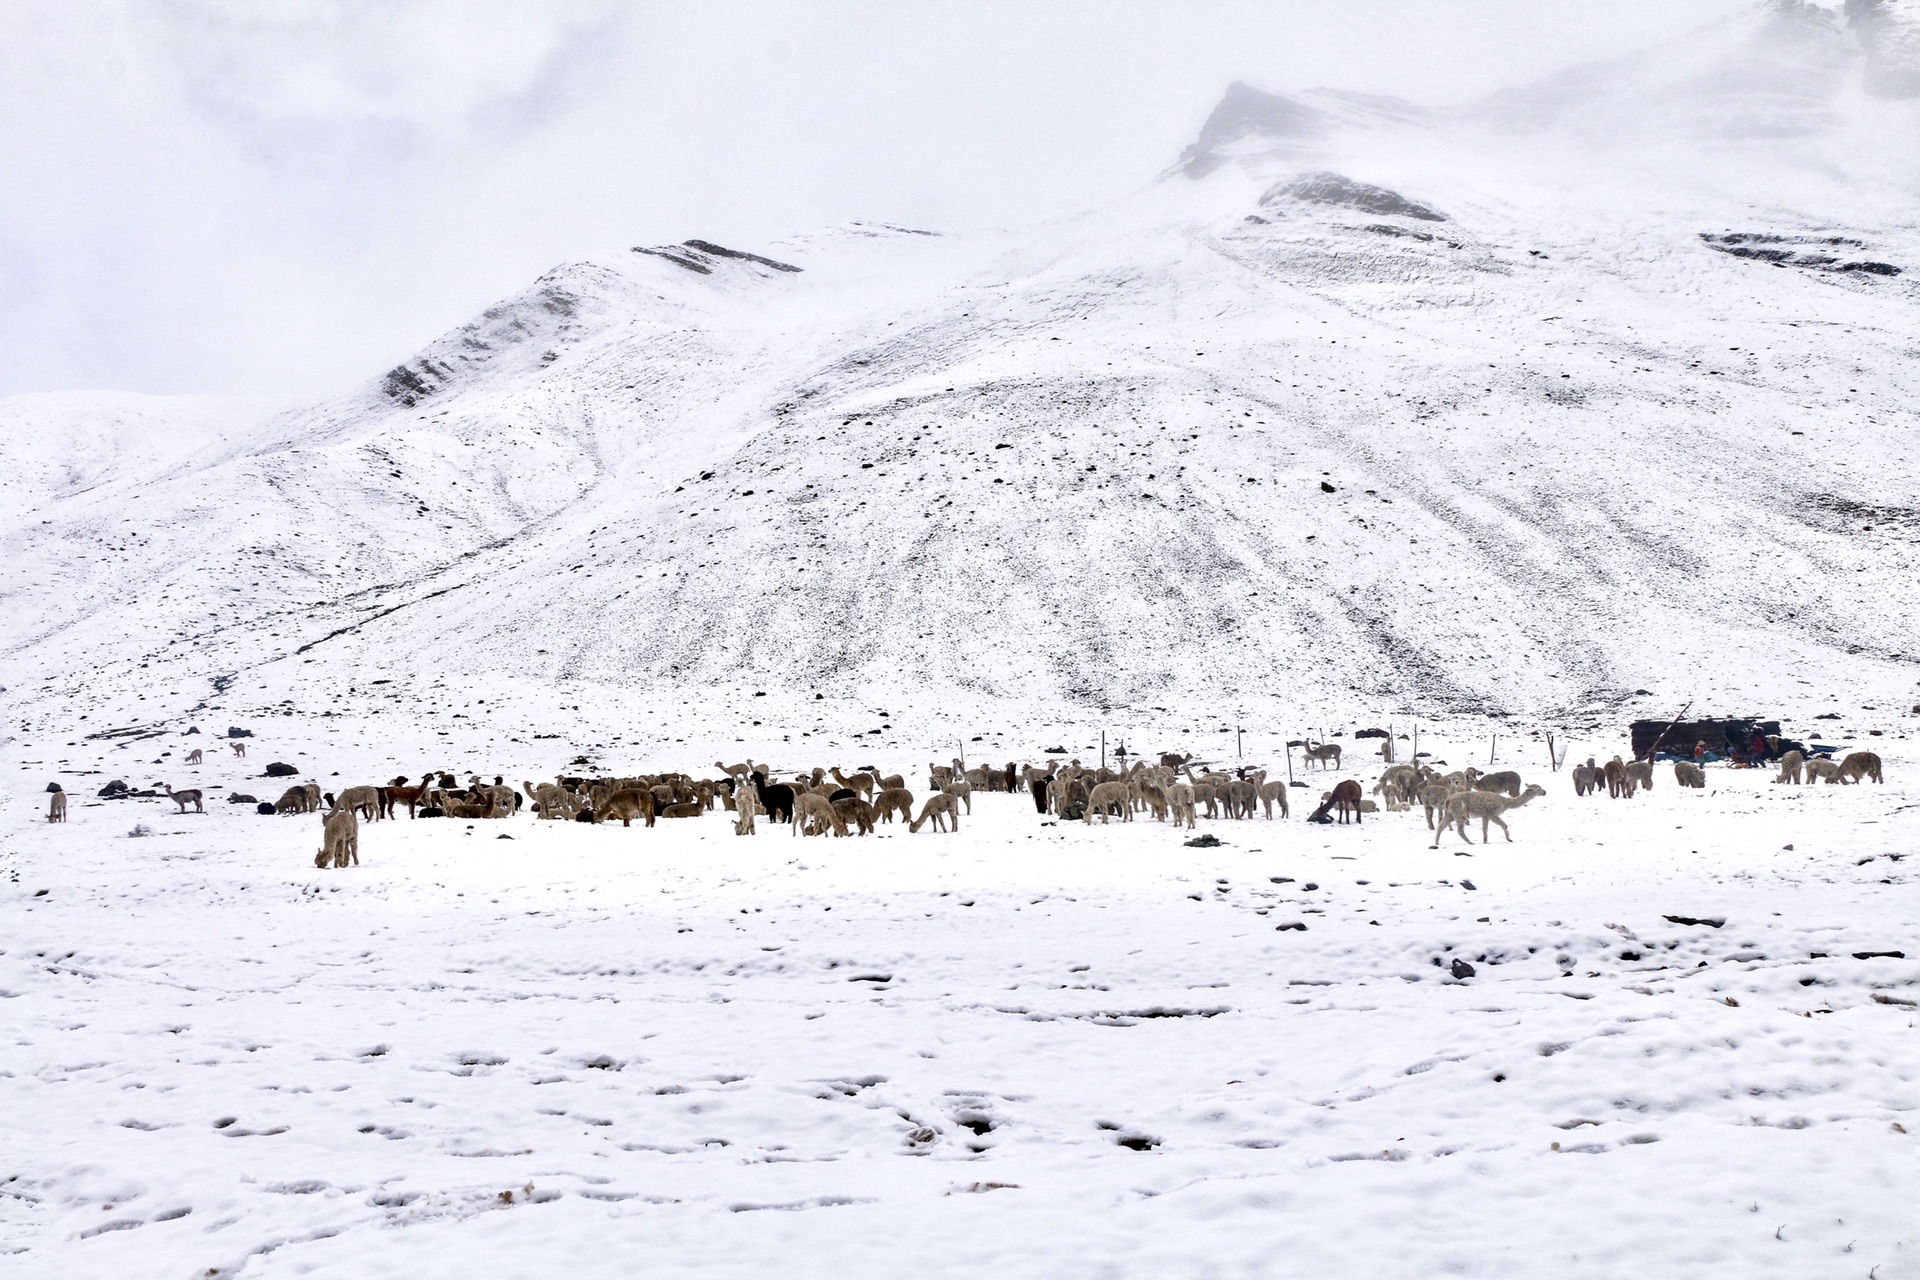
(1023, 1050)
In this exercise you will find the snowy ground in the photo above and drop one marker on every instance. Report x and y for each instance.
(596, 1052)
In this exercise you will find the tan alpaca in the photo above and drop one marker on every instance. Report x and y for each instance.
(239, 748)
(814, 816)
(1484, 805)
(184, 798)
(365, 800)
(1860, 764)
(1688, 774)
(57, 807)
(1641, 771)
(294, 800)
(746, 806)
(1322, 754)
(892, 800)
(943, 806)
(1180, 803)
(1792, 765)
(340, 839)
(960, 789)
(194, 756)
(892, 782)
(858, 782)
(1275, 793)
(1107, 799)
(1435, 794)
(1507, 782)
(1822, 770)
(739, 772)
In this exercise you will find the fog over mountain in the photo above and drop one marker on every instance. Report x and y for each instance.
(1584, 396)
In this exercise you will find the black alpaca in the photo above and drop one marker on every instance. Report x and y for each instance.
(776, 799)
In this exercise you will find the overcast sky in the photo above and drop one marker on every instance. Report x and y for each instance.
(266, 196)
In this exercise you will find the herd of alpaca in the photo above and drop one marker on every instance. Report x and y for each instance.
(828, 801)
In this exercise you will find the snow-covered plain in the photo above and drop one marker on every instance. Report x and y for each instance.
(590, 1051)
(1565, 408)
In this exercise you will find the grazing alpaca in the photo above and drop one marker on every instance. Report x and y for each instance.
(194, 756)
(1688, 774)
(1347, 799)
(1860, 764)
(57, 807)
(892, 800)
(1824, 770)
(184, 798)
(295, 800)
(340, 839)
(814, 815)
(1326, 751)
(627, 805)
(854, 812)
(1106, 799)
(1791, 765)
(1484, 805)
(942, 806)
(1506, 782)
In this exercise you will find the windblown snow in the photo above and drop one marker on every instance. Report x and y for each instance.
(1575, 405)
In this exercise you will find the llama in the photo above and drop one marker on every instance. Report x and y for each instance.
(1484, 805)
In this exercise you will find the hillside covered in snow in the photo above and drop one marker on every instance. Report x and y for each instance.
(1587, 397)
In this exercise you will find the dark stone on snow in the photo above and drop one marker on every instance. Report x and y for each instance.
(235, 731)
(54, 786)
(1711, 922)
(263, 807)
(1461, 969)
(1206, 841)
(279, 770)
(113, 790)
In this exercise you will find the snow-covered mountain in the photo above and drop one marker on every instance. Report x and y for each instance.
(1598, 387)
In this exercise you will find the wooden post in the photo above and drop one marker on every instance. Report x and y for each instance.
(1103, 751)
(1289, 762)
(1236, 742)
(1664, 732)
(1552, 758)
(1495, 747)
(1415, 757)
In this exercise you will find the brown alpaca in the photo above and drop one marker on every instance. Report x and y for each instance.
(1322, 754)
(294, 800)
(892, 800)
(1618, 783)
(184, 798)
(1856, 765)
(1180, 803)
(57, 807)
(855, 812)
(626, 806)
(938, 807)
(1484, 805)
(685, 809)
(1507, 782)
(1347, 799)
